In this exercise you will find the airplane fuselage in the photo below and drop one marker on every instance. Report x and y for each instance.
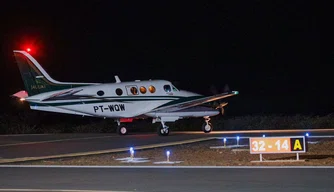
(118, 100)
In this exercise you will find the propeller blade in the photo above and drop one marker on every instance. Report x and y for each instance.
(222, 111)
(221, 105)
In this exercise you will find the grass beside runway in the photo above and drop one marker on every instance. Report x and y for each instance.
(320, 153)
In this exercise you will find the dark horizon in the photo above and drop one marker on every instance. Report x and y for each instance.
(277, 55)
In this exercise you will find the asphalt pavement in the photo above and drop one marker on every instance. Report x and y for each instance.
(34, 147)
(227, 179)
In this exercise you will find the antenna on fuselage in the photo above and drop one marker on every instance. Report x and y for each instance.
(117, 79)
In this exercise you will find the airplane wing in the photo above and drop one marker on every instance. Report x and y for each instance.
(195, 102)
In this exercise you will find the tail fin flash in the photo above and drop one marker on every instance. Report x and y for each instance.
(36, 79)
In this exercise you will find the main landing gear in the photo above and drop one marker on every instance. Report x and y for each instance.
(207, 126)
(163, 130)
(121, 128)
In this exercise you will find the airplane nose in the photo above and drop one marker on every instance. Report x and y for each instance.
(213, 113)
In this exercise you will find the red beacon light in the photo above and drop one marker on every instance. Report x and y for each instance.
(28, 49)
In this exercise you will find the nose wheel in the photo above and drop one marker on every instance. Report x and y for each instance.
(207, 126)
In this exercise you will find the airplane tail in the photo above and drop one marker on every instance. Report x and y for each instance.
(36, 79)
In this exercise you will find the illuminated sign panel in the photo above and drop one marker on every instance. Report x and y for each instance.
(262, 145)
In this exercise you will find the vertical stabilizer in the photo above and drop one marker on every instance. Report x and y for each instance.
(36, 80)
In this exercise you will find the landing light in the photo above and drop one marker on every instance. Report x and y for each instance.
(307, 134)
(167, 153)
(263, 135)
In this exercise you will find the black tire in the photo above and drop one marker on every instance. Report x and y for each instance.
(161, 131)
(207, 129)
(122, 130)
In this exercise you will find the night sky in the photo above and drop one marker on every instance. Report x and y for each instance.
(278, 55)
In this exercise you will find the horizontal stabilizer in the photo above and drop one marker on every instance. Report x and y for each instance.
(21, 94)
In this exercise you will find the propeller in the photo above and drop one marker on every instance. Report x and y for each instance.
(218, 104)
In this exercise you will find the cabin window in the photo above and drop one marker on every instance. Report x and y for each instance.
(142, 89)
(134, 90)
(167, 88)
(119, 92)
(131, 89)
(100, 93)
(151, 89)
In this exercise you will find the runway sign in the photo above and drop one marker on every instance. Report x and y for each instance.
(262, 145)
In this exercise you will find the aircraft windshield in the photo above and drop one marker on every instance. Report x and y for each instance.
(174, 88)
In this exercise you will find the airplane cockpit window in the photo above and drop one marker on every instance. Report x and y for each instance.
(174, 88)
(167, 88)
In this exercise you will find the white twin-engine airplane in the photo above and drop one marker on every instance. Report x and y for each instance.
(122, 101)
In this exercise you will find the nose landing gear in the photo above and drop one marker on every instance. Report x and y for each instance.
(207, 126)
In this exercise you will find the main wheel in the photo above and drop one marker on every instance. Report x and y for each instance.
(207, 127)
(162, 131)
(122, 130)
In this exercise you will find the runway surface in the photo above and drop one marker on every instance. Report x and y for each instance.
(167, 179)
(21, 147)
